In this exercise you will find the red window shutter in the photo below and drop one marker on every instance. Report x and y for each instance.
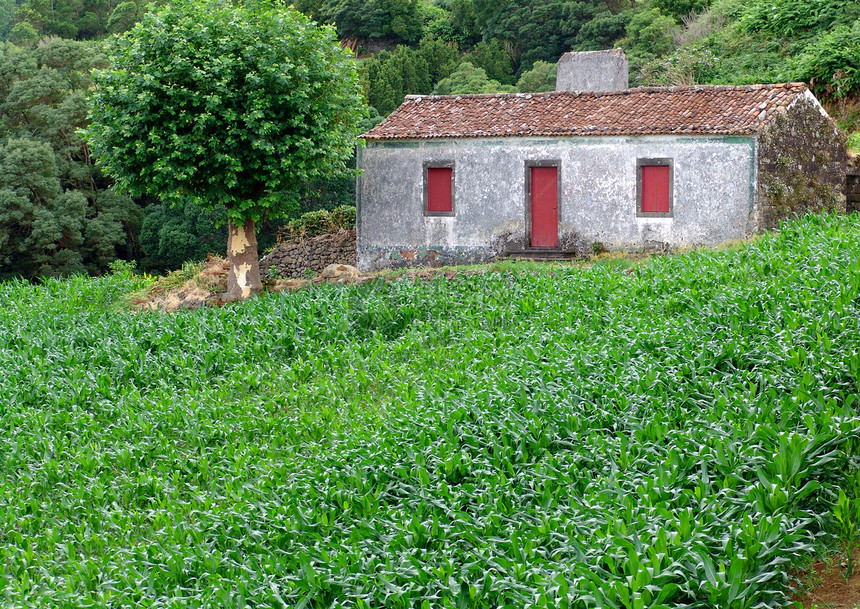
(439, 189)
(655, 188)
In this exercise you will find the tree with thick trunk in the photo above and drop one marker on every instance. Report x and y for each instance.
(230, 107)
(244, 279)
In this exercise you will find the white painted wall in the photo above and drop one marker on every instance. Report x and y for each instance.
(713, 194)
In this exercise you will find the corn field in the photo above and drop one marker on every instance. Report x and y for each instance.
(669, 434)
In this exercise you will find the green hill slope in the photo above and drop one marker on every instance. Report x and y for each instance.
(762, 41)
(672, 435)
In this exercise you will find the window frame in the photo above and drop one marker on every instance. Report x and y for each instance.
(655, 162)
(427, 166)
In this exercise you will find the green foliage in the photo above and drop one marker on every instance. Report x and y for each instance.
(464, 23)
(768, 41)
(325, 194)
(603, 31)
(77, 19)
(789, 18)
(225, 106)
(320, 222)
(399, 21)
(494, 60)
(853, 142)
(7, 17)
(23, 34)
(846, 512)
(681, 8)
(537, 30)
(41, 228)
(469, 79)
(391, 75)
(123, 267)
(123, 17)
(540, 78)
(437, 23)
(687, 66)
(59, 215)
(571, 437)
(831, 63)
(170, 236)
(649, 34)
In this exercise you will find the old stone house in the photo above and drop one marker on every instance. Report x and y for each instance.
(467, 178)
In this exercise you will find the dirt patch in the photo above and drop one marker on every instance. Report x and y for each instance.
(206, 288)
(189, 288)
(204, 285)
(828, 587)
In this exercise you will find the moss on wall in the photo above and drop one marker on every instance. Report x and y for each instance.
(801, 166)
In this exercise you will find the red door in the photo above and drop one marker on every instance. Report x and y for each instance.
(544, 203)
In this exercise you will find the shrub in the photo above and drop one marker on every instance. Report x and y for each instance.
(319, 222)
(831, 64)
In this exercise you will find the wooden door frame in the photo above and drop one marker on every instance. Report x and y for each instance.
(528, 203)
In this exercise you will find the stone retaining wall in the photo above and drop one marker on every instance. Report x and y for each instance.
(852, 192)
(298, 259)
(852, 185)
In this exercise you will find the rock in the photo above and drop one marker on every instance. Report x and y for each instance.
(338, 271)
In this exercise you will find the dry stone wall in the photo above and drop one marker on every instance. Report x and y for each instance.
(297, 259)
(801, 166)
(852, 185)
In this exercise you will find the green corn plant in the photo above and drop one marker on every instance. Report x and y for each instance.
(534, 437)
(847, 515)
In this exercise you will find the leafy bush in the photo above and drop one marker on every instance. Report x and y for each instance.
(58, 214)
(170, 236)
(540, 78)
(687, 66)
(494, 60)
(831, 64)
(400, 21)
(388, 76)
(320, 222)
(650, 34)
(791, 18)
(680, 9)
(343, 217)
(469, 79)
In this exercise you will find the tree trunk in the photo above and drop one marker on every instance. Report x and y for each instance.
(244, 279)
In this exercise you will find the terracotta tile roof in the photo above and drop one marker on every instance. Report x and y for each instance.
(701, 109)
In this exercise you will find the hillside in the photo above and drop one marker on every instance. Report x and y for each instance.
(69, 218)
(762, 41)
(674, 434)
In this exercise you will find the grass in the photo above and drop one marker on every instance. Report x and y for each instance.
(671, 434)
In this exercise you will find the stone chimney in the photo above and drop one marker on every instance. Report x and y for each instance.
(592, 71)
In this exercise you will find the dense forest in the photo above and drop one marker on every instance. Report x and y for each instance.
(60, 215)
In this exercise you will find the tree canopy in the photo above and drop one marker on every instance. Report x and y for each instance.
(58, 214)
(226, 107)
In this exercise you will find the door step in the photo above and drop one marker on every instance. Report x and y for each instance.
(536, 254)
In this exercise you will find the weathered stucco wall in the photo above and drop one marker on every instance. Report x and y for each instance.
(592, 71)
(801, 165)
(713, 196)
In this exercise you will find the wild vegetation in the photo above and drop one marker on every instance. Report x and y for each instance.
(674, 433)
(74, 221)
